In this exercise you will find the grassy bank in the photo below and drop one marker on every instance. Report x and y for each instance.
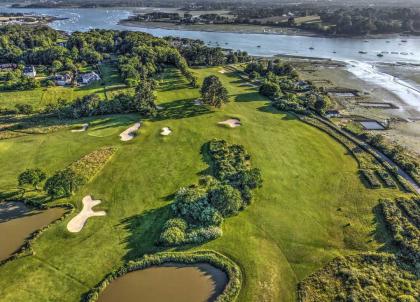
(311, 208)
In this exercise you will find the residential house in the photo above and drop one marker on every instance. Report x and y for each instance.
(89, 77)
(29, 71)
(63, 79)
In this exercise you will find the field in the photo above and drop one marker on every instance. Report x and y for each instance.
(311, 208)
(40, 97)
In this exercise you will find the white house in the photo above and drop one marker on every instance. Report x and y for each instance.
(63, 79)
(29, 71)
(89, 77)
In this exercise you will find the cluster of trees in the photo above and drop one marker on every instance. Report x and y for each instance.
(365, 277)
(65, 182)
(139, 55)
(281, 84)
(16, 80)
(199, 210)
(361, 21)
(213, 93)
(143, 101)
(62, 183)
(402, 218)
(197, 53)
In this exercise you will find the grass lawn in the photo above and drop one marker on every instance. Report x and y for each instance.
(42, 96)
(292, 229)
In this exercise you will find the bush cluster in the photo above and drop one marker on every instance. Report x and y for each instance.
(65, 182)
(371, 179)
(199, 210)
(232, 270)
(405, 231)
(365, 277)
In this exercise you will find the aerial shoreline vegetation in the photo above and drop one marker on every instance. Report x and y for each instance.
(333, 21)
(312, 207)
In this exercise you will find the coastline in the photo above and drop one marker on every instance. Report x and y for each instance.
(254, 29)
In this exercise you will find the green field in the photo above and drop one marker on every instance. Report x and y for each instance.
(293, 227)
(110, 85)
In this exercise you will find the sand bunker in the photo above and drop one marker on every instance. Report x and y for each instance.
(84, 128)
(232, 123)
(77, 223)
(222, 71)
(198, 102)
(165, 131)
(130, 132)
(159, 107)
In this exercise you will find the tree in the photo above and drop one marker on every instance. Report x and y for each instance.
(213, 93)
(226, 199)
(269, 89)
(63, 183)
(172, 236)
(144, 100)
(31, 177)
(24, 108)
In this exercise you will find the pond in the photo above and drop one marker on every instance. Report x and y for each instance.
(170, 282)
(17, 222)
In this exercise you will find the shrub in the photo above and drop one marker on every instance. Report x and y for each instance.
(24, 108)
(172, 236)
(226, 199)
(177, 223)
(200, 235)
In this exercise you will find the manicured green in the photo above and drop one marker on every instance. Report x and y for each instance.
(292, 228)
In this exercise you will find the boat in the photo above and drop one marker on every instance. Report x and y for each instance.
(380, 55)
(404, 41)
(311, 48)
(363, 52)
(258, 46)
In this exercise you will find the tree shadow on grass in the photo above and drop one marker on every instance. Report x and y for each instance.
(381, 234)
(144, 230)
(249, 97)
(181, 109)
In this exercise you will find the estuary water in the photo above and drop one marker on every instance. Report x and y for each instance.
(361, 55)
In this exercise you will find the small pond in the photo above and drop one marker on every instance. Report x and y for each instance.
(17, 222)
(169, 282)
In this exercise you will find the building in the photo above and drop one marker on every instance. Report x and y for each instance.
(62, 79)
(332, 113)
(29, 71)
(89, 77)
(8, 66)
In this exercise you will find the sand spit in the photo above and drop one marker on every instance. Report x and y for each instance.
(130, 132)
(232, 123)
(165, 131)
(77, 223)
(83, 129)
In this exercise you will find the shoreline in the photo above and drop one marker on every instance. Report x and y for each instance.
(258, 29)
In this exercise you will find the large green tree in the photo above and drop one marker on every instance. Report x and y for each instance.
(213, 93)
(63, 183)
(32, 177)
(144, 100)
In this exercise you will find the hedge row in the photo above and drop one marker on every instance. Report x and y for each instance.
(411, 208)
(26, 249)
(90, 164)
(405, 234)
(232, 270)
(371, 179)
(386, 178)
(365, 277)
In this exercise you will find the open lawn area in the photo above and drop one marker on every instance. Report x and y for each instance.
(109, 86)
(312, 206)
